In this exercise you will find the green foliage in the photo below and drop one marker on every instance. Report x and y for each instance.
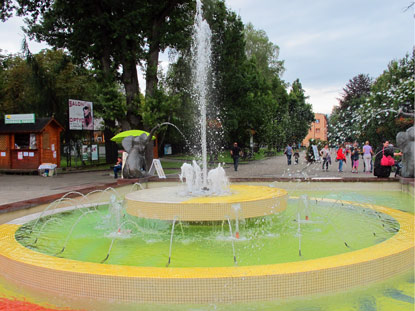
(343, 123)
(300, 114)
(247, 88)
(265, 53)
(394, 89)
(372, 115)
(113, 37)
(43, 83)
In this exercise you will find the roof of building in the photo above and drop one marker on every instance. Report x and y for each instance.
(38, 126)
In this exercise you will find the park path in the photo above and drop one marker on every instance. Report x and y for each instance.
(14, 188)
(276, 167)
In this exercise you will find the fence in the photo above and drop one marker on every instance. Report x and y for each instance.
(78, 154)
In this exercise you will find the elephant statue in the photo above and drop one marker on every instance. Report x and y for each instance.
(136, 164)
(140, 153)
(406, 142)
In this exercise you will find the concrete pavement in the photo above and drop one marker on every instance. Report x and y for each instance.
(15, 188)
(276, 167)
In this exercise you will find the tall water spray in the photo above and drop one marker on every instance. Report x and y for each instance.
(201, 55)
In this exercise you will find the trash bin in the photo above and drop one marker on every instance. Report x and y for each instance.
(47, 169)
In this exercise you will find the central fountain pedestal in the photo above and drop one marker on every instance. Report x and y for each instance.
(243, 202)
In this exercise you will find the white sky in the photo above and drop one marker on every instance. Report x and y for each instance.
(324, 43)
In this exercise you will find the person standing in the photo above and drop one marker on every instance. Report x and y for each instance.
(354, 157)
(367, 157)
(235, 154)
(341, 157)
(325, 154)
(288, 152)
(384, 170)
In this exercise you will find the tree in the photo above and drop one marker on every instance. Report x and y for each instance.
(344, 121)
(113, 36)
(373, 115)
(300, 113)
(266, 53)
(356, 88)
(42, 83)
(169, 25)
(394, 89)
(15, 91)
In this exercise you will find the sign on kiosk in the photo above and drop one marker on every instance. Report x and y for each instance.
(19, 118)
(81, 115)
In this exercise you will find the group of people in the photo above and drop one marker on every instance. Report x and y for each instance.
(289, 152)
(382, 165)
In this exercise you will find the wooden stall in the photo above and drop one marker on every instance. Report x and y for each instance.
(26, 146)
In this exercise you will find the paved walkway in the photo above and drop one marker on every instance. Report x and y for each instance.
(276, 167)
(14, 188)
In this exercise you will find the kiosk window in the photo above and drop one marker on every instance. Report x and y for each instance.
(21, 141)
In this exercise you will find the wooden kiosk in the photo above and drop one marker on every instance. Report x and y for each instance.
(23, 147)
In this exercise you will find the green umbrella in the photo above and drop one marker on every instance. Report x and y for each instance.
(120, 136)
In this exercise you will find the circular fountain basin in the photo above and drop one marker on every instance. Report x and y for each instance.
(209, 285)
(244, 201)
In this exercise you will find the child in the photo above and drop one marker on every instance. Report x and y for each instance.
(355, 158)
(296, 156)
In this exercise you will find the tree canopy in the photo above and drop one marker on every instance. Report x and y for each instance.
(369, 110)
(106, 41)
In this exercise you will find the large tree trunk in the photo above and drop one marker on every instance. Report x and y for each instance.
(132, 92)
(152, 64)
(111, 148)
(154, 47)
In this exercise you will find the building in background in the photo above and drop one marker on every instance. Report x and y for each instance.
(318, 129)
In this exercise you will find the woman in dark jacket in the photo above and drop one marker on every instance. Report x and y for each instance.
(383, 171)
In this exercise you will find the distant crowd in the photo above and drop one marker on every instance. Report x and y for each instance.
(379, 162)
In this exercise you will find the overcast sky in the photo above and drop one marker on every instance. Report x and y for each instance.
(324, 43)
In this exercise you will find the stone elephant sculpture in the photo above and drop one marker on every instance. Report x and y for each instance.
(406, 142)
(135, 165)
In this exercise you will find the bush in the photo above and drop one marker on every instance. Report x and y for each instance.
(310, 154)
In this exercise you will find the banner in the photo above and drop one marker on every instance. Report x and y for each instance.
(19, 118)
(81, 115)
(316, 154)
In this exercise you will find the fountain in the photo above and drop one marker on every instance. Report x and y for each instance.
(163, 254)
(207, 242)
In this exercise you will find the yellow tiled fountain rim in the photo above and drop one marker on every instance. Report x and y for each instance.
(206, 285)
(255, 201)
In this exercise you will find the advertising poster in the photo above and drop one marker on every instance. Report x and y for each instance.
(94, 152)
(81, 116)
(85, 152)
